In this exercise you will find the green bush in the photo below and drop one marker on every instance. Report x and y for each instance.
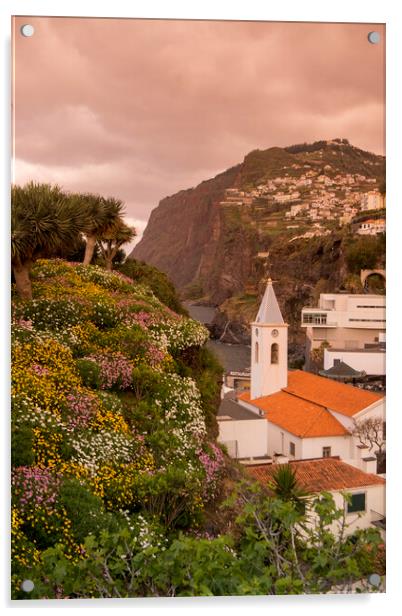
(104, 314)
(89, 372)
(84, 509)
(131, 340)
(160, 284)
(22, 442)
(366, 252)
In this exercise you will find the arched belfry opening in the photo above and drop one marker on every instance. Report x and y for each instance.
(274, 353)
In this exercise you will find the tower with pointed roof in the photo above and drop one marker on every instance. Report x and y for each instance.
(269, 347)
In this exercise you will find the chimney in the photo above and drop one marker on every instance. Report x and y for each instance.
(362, 452)
(370, 465)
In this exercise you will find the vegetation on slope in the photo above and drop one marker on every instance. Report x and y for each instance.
(118, 484)
(116, 475)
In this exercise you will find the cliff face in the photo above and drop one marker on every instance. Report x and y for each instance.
(217, 241)
(184, 231)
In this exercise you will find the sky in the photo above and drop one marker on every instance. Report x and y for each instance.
(140, 109)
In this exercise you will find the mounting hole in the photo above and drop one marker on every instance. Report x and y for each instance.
(374, 579)
(374, 37)
(27, 30)
(27, 585)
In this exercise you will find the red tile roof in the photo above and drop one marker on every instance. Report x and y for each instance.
(299, 417)
(344, 399)
(325, 474)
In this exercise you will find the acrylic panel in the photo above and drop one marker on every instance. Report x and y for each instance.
(198, 308)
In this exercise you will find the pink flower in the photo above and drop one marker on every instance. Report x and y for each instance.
(115, 370)
(39, 370)
(34, 486)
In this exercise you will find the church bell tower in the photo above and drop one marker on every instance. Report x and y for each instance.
(269, 347)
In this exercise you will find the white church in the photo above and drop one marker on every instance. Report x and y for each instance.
(291, 414)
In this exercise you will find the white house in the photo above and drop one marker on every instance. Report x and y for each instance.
(372, 227)
(367, 490)
(244, 433)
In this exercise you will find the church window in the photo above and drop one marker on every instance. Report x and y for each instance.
(256, 352)
(274, 353)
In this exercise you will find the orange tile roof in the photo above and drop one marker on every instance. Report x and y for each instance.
(299, 417)
(344, 399)
(324, 474)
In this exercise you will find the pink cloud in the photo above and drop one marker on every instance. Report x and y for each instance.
(142, 108)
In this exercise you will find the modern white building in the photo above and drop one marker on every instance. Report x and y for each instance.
(344, 321)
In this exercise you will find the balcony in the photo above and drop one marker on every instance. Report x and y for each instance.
(316, 318)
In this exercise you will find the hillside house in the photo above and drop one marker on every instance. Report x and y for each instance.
(367, 490)
(372, 227)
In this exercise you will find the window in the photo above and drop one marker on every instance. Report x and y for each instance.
(357, 503)
(256, 352)
(326, 452)
(315, 318)
(274, 353)
(292, 449)
(384, 430)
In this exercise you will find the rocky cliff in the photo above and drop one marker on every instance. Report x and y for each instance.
(279, 212)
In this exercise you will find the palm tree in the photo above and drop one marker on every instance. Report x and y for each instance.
(43, 220)
(112, 239)
(102, 213)
(285, 485)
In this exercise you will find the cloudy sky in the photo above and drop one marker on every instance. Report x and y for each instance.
(140, 109)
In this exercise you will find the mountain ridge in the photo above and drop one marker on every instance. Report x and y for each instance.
(214, 240)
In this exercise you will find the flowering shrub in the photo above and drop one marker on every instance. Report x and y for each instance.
(113, 281)
(213, 462)
(81, 409)
(45, 314)
(104, 314)
(92, 450)
(182, 333)
(34, 487)
(132, 341)
(43, 370)
(114, 370)
(102, 425)
(181, 402)
(48, 268)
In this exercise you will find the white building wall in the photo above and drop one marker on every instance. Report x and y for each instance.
(371, 362)
(341, 446)
(375, 509)
(343, 337)
(374, 410)
(279, 442)
(251, 436)
(375, 506)
(342, 308)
